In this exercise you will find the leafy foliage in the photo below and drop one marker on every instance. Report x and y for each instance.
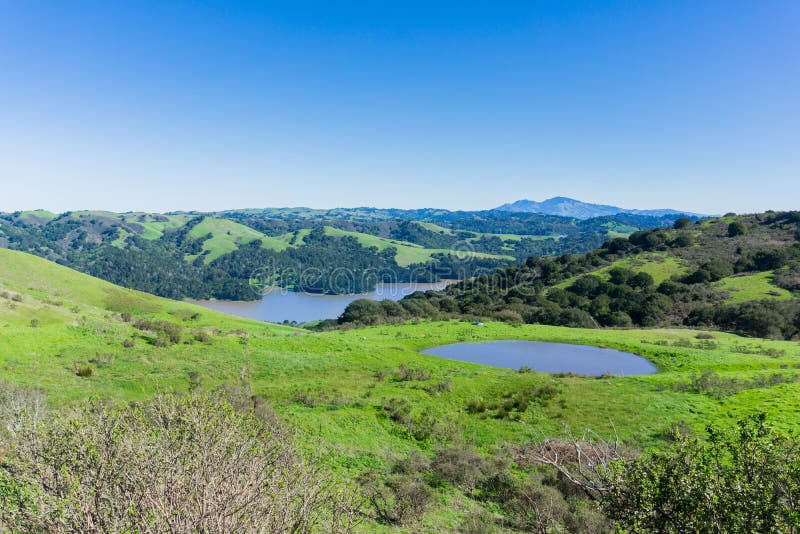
(605, 288)
(742, 480)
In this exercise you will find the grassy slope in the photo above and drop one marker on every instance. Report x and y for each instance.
(345, 359)
(79, 320)
(228, 235)
(757, 286)
(407, 253)
(658, 265)
(154, 226)
(40, 216)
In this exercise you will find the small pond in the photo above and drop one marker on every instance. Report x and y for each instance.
(547, 357)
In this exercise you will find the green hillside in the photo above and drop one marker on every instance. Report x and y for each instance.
(336, 388)
(407, 253)
(757, 286)
(210, 255)
(225, 237)
(228, 236)
(735, 273)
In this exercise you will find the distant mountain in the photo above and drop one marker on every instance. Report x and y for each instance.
(569, 207)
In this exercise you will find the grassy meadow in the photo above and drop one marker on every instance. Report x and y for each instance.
(340, 389)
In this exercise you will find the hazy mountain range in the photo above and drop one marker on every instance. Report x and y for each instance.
(569, 207)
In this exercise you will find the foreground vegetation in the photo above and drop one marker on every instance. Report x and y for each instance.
(430, 444)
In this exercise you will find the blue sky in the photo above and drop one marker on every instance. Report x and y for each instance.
(463, 105)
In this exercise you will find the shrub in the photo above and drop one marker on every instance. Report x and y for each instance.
(437, 388)
(399, 499)
(535, 507)
(683, 222)
(741, 480)
(406, 374)
(172, 464)
(464, 467)
(195, 380)
(480, 522)
(203, 337)
(736, 228)
(476, 406)
(83, 371)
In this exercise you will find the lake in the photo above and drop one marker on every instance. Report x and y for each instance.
(280, 304)
(547, 357)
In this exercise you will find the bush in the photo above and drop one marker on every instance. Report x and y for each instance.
(407, 374)
(741, 480)
(683, 222)
(464, 467)
(736, 228)
(535, 507)
(172, 464)
(476, 406)
(399, 499)
(84, 371)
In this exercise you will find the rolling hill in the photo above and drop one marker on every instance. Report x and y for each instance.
(216, 255)
(364, 400)
(737, 273)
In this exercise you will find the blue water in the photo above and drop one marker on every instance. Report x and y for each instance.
(280, 304)
(547, 357)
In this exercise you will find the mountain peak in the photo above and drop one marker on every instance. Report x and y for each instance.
(569, 207)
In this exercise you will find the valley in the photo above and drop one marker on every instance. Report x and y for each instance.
(361, 399)
(231, 255)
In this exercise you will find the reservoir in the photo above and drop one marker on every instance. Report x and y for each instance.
(280, 304)
(547, 357)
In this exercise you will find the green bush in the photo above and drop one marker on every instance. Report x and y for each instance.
(742, 480)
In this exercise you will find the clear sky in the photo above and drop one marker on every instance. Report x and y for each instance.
(173, 105)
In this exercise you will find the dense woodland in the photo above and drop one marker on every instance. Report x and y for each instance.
(611, 286)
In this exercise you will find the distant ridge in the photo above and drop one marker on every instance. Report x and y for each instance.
(569, 207)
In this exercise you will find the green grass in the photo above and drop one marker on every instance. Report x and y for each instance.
(80, 319)
(435, 228)
(34, 216)
(658, 265)
(757, 286)
(226, 236)
(154, 227)
(407, 253)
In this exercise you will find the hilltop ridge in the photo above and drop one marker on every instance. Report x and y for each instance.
(569, 207)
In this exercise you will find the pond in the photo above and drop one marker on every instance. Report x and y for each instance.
(547, 357)
(280, 304)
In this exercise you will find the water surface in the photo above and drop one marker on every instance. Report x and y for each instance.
(279, 305)
(547, 357)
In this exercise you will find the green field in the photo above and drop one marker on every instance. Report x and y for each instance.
(227, 236)
(78, 318)
(407, 253)
(54, 320)
(752, 287)
(658, 265)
